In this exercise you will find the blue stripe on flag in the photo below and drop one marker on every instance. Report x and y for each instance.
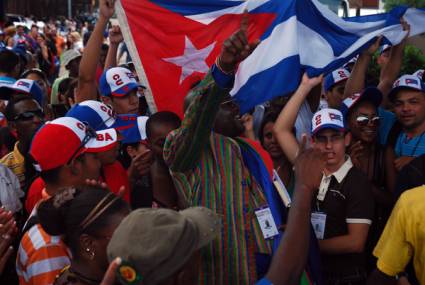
(263, 86)
(193, 7)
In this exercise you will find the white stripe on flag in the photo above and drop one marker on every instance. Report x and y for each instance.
(131, 45)
(279, 45)
(207, 18)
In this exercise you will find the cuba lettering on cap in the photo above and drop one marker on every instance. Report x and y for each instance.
(327, 119)
(59, 140)
(406, 81)
(117, 81)
(96, 114)
(335, 77)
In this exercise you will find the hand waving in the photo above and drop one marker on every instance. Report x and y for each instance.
(236, 48)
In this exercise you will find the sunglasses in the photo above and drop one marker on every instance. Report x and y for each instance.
(90, 134)
(29, 115)
(364, 120)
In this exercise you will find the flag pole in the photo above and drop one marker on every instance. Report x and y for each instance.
(131, 45)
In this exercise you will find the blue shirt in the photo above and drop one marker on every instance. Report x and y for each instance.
(410, 146)
(386, 123)
(263, 281)
(7, 80)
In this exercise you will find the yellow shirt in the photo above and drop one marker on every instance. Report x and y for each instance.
(404, 236)
(15, 162)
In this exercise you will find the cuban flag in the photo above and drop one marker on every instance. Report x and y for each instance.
(173, 43)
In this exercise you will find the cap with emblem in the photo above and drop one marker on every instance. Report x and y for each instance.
(60, 140)
(22, 86)
(117, 81)
(327, 119)
(335, 77)
(406, 81)
(155, 243)
(371, 94)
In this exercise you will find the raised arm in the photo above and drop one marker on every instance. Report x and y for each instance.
(184, 146)
(356, 82)
(87, 89)
(391, 70)
(115, 38)
(286, 120)
(291, 257)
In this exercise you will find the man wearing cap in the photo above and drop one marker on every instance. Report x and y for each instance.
(334, 85)
(99, 117)
(117, 85)
(25, 116)
(71, 61)
(408, 97)
(343, 208)
(64, 152)
(169, 260)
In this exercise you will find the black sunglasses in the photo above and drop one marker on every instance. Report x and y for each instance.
(29, 115)
(90, 134)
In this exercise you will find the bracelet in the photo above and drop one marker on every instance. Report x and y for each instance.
(217, 63)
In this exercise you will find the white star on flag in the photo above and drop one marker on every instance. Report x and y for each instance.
(192, 60)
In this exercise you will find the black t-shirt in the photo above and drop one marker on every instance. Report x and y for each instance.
(411, 176)
(350, 201)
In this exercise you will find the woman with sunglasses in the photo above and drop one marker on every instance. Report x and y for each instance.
(85, 218)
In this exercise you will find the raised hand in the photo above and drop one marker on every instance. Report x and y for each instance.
(106, 8)
(115, 35)
(236, 48)
(311, 82)
(309, 166)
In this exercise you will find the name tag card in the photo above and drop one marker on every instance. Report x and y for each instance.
(266, 222)
(318, 220)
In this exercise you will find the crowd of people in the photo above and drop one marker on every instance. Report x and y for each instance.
(322, 186)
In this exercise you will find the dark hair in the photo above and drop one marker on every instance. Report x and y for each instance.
(51, 176)
(37, 71)
(64, 85)
(268, 117)
(163, 117)
(8, 61)
(66, 217)
(9, 112)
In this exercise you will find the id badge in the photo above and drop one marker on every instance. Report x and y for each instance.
(318, 220)
(266, 222)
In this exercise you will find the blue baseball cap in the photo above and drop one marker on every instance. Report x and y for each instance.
(22, 86)
(371, 94)
(96, 114)
(407, 81)
(335, 77)
(117, 82)
(135, 132)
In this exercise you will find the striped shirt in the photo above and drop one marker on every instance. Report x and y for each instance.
(208, 170)
(40, 257)
(15, 161)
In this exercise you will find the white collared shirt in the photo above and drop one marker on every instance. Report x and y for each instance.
(339, 175)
